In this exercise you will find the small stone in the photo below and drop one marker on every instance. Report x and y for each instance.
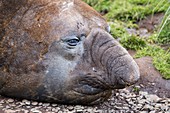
(89, 110)
(147, 107)
(125, 108)
(163, 100)
(96, 111)
(40, 103)
(13, 105)
(70, 108)
(141, 85)
(153, 84)
(28, 107)
(143, 111)
(142, 101)
(140, 97)
(77, 107)
(134, 99)
(138, 87)
(49, 108)
(112, 103)
(140, 105)
(117, 94)
(2, 101)
(60, 112)
(35, 111)
(54, 110)
(152, 111)
(131, 102)
(26, 102)
(46, 104)
(34, 103)
(10, 111)
(25, 111)
(153, 98)
(118, 108)
(123, 94)
(143, 93)
(158, 105)
(128, 99)
(54, 105)
(7, 107)
(79, 111)
(10, 100)
(57, 108)
(164, 108)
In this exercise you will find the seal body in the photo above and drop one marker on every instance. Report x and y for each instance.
(60, 51)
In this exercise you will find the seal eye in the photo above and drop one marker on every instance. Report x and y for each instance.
(72, 42)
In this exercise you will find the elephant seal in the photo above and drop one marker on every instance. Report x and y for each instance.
(60, 51)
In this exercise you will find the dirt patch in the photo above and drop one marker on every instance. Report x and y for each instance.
(151, 22)
(147, 25)
(151, 80)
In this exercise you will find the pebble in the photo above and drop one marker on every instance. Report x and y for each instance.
(34, 103)
(60, 112)
(122, 101)
(152, 111)
(152, 98)
(70, 108)
(10, 100)
(10, 111)
(26, 102)
(143, 93)
(46, 104)
(2, 101)
(147, 107)
(40, 103)
(35, 111)
(54, 105)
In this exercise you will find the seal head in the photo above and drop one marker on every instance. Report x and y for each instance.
(60, 51)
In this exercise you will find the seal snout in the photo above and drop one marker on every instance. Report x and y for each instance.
(120, 68)
(128, 75)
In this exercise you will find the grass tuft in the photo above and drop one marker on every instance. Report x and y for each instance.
(161, 58)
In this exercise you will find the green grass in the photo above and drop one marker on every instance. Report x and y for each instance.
(161, 58)
(123, 14)
(133, 42)
(164, 32)
(126, 10)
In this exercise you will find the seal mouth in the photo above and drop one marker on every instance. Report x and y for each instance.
(120, 83)
(123, 83)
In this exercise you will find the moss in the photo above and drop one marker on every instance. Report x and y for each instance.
(133, 42)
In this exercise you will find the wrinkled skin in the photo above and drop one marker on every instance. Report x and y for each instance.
(60, 51)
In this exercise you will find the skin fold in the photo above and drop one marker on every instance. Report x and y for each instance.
(60, 51)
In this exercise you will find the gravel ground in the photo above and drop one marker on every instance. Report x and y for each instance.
(122, 101)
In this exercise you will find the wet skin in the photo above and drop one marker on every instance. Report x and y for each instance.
(60, 51)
